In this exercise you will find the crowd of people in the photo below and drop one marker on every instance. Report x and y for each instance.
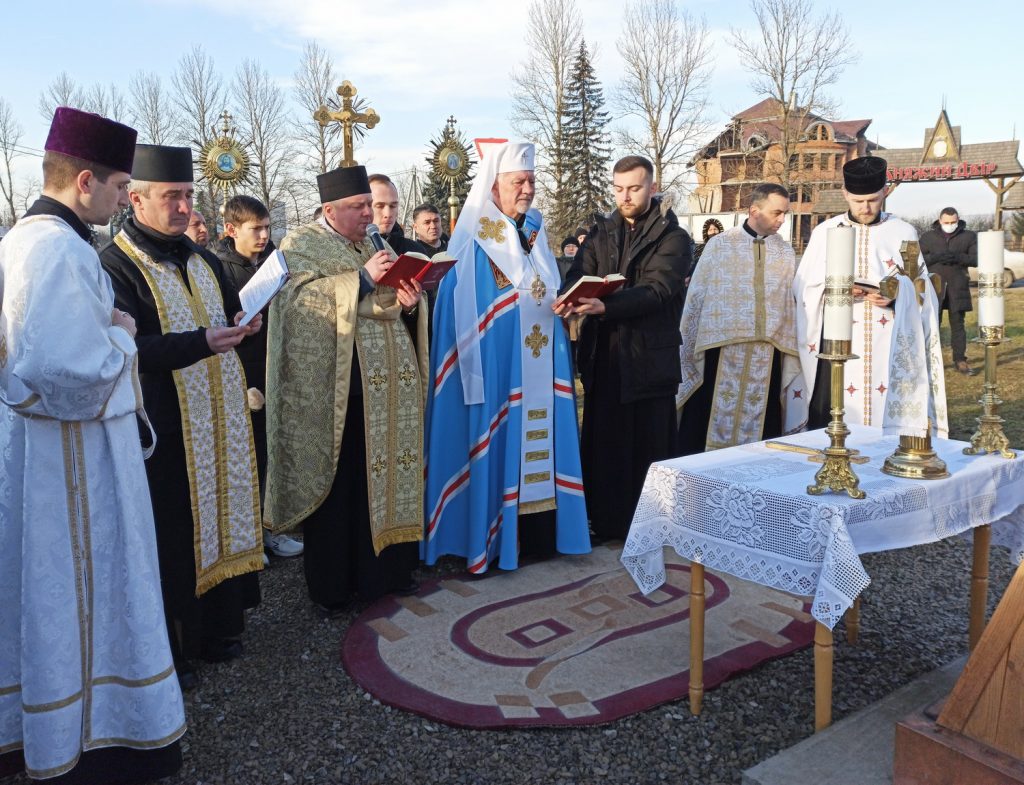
(156, 445)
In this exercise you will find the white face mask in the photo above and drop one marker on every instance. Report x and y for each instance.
(949, 228)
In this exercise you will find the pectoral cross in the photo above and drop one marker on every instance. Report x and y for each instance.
(348, 117)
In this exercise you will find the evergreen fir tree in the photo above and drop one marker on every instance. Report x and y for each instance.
(436, 189)
(587, 152)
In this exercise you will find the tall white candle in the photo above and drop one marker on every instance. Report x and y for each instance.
(838, 282)
(990, 279)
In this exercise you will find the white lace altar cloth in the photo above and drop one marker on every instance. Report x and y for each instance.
(745, 511)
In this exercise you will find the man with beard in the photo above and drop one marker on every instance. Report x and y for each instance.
(878, 236)
(202, 474)
(628, 349)
(503, 476)
(739, 354)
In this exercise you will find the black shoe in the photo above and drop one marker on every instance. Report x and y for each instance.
(409, 589)
(334, 610)
(188, 679)
(220, 649)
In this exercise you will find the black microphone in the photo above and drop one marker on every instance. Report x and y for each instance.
(373, 232)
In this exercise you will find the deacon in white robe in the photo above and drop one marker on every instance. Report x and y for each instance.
(87, 684)
(741, 379)
(868, 386)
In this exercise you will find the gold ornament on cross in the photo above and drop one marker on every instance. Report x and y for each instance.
(492, 230)
(348, 117)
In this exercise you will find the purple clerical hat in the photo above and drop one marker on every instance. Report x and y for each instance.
(92, 138)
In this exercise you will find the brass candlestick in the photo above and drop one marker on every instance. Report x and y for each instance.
(836, 474)
(989, 438)
(915, 458)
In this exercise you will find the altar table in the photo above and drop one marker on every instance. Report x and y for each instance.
(745, 511)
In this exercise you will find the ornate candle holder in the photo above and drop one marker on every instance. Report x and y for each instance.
(836, 474)
(989, 438)
(915, 458)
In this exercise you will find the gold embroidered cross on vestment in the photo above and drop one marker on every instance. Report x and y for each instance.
(536, 340)
(492, 230)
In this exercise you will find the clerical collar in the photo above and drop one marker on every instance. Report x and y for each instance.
(751, 232)
(851, 219)
(47, 205)
(177, 245)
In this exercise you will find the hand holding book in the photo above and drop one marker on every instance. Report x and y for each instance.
(417, 267)
(590, 286)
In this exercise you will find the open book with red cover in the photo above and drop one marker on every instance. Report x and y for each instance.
(417, 266)
(591, 286)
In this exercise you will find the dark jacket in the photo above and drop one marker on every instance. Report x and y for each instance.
(949, 255)
(160, 354)
(238, 271)
(644, 314)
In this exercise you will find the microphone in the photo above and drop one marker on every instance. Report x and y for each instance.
(373, 232)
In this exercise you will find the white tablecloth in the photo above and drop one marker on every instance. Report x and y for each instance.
(745, 511)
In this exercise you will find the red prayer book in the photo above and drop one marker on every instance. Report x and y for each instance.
(417, 266)
(591, 286)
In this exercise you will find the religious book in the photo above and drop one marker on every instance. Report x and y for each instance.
(867, 286)
(591, 286)
(269, 279)
(419, 267)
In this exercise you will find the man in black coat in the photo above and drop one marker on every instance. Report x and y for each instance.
(244, 247)
(153, 238)
(949, 248)
(628, 350)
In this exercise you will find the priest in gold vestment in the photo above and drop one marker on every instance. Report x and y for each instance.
(345, 369)
(740, 368)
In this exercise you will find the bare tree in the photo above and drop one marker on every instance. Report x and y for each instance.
(107, 101)
(62, 91)
(538, 101)
(199, 98)
(667, 69)
(263, 123)
(31, 188)
(150, 108)
(315, 84)
(10, 136)
(795, 54)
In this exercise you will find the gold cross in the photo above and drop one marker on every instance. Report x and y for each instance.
(379, 465)
(406, 459)
(348, 118)
(407, 375)
(377, 379)
(3, 352)
(492, 230)
(536, 340)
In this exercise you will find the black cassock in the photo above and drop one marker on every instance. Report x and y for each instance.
(696, 414)
(219, 613)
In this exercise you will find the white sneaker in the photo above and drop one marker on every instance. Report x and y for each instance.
(281, 545)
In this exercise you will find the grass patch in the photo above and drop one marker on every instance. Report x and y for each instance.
(963, 393)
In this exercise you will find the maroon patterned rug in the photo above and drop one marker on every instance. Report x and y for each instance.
(570, 641)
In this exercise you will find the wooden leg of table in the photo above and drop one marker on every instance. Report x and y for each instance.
(852, 619)
(822, 676)
(696, 637)
(979, 584)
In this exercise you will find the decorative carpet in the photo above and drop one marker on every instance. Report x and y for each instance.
(569, 641)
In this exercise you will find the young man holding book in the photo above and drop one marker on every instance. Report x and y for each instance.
(628, 349)
(246, 243)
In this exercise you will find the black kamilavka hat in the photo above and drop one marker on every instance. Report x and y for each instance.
(342, 183)
(863, 176)
(155, 163)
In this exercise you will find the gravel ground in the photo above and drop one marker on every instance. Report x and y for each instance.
(287, 712)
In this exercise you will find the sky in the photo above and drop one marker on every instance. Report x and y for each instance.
(418, 63)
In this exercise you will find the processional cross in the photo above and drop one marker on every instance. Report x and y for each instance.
(348, 117)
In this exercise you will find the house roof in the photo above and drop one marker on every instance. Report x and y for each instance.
(1002, 154)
